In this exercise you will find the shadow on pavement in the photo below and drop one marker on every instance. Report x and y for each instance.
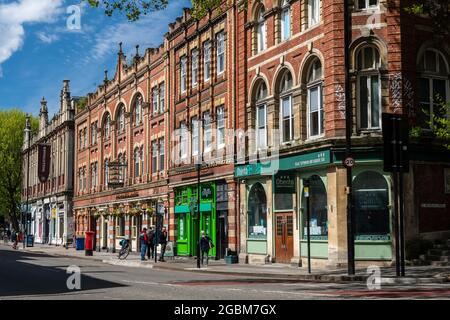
(19, 278)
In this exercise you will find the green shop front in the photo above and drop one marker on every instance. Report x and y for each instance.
(190, 223)
(275, 205)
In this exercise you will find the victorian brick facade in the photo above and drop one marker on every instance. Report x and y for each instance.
(256, 99)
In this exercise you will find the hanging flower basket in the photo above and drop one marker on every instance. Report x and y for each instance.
(134, 212)
(150, 211)
(117, 213)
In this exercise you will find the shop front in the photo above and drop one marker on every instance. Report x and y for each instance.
(275, 209)
(190, 223)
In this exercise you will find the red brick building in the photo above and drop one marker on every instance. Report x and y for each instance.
(121, 167)
(257, 97)
(291, 93)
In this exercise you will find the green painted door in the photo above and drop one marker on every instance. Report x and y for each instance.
(183, 234)
(208, 224)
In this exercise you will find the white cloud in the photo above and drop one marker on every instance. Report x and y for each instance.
(15, 14)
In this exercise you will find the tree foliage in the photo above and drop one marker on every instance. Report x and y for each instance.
(437, 10)
(12, 124)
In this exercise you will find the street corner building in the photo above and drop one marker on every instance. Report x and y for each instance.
(219, 128)
(49, 190)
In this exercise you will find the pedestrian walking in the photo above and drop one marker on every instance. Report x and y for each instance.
(205, 245)
(151, 243)
(143, 240)
(163, 242)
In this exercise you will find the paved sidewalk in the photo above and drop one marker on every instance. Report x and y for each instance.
(415, 275)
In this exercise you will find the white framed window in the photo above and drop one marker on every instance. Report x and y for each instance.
(207, 60)
(107, 125)
(220, 52)
(220, 127)
(154, 156)
(155, 100)
(313, 12)
(367, 4)
(162, 97)
(434, 86)
(207, 131)
(261, 122)
(369, 88)
(315, 100)
(141, 157)
(286, 114)
(121, 169)
(138, 110)
(106, 173)
(183, 141)
(261, 116)
(261, 31)
(162, 149)
(121, 124)
(195, 136)
(137, 161)
(285, 20)
(183, 74)
(194, 66)
(94, 133)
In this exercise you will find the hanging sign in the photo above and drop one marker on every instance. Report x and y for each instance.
(43, 162)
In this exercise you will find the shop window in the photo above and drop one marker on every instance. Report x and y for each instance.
(257, 212)
(318, 224)
(121, 226)
(371, 206)
(283, 202)
(181, 197)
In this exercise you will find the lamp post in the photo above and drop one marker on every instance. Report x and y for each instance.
(306, 185)
(348, 139)
(28, 131)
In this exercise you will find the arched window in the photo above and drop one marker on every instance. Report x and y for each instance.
(369, 88)
(136, 161)
(261, 116)
(371, 206)
(286, 114)
(285, 20)
(120, 158)
(260, 30)
(121, 119)
(315, 100)
(106, 173)
(107, 127)
(141, 156)
(433, 84)
(137, 112)
(257, 212)
(318, 223)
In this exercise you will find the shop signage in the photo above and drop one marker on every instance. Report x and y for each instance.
(297, 162)
(43, 162)
(434, 205)
(127, 195)
(285, 183)
(207, 191)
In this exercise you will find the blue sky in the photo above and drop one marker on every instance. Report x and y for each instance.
(38, 51)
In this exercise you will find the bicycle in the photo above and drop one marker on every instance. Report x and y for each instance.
(125, 250)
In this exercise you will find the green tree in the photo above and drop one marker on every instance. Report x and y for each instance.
(12, 123)
(438, 11)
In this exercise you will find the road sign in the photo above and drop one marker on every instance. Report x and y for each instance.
(349, 162)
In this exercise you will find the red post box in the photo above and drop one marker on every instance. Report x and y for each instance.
(89, 245)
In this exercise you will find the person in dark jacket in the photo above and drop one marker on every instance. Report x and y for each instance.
(143, 240)
(205, 245)
(151, 243)
(163, 242)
